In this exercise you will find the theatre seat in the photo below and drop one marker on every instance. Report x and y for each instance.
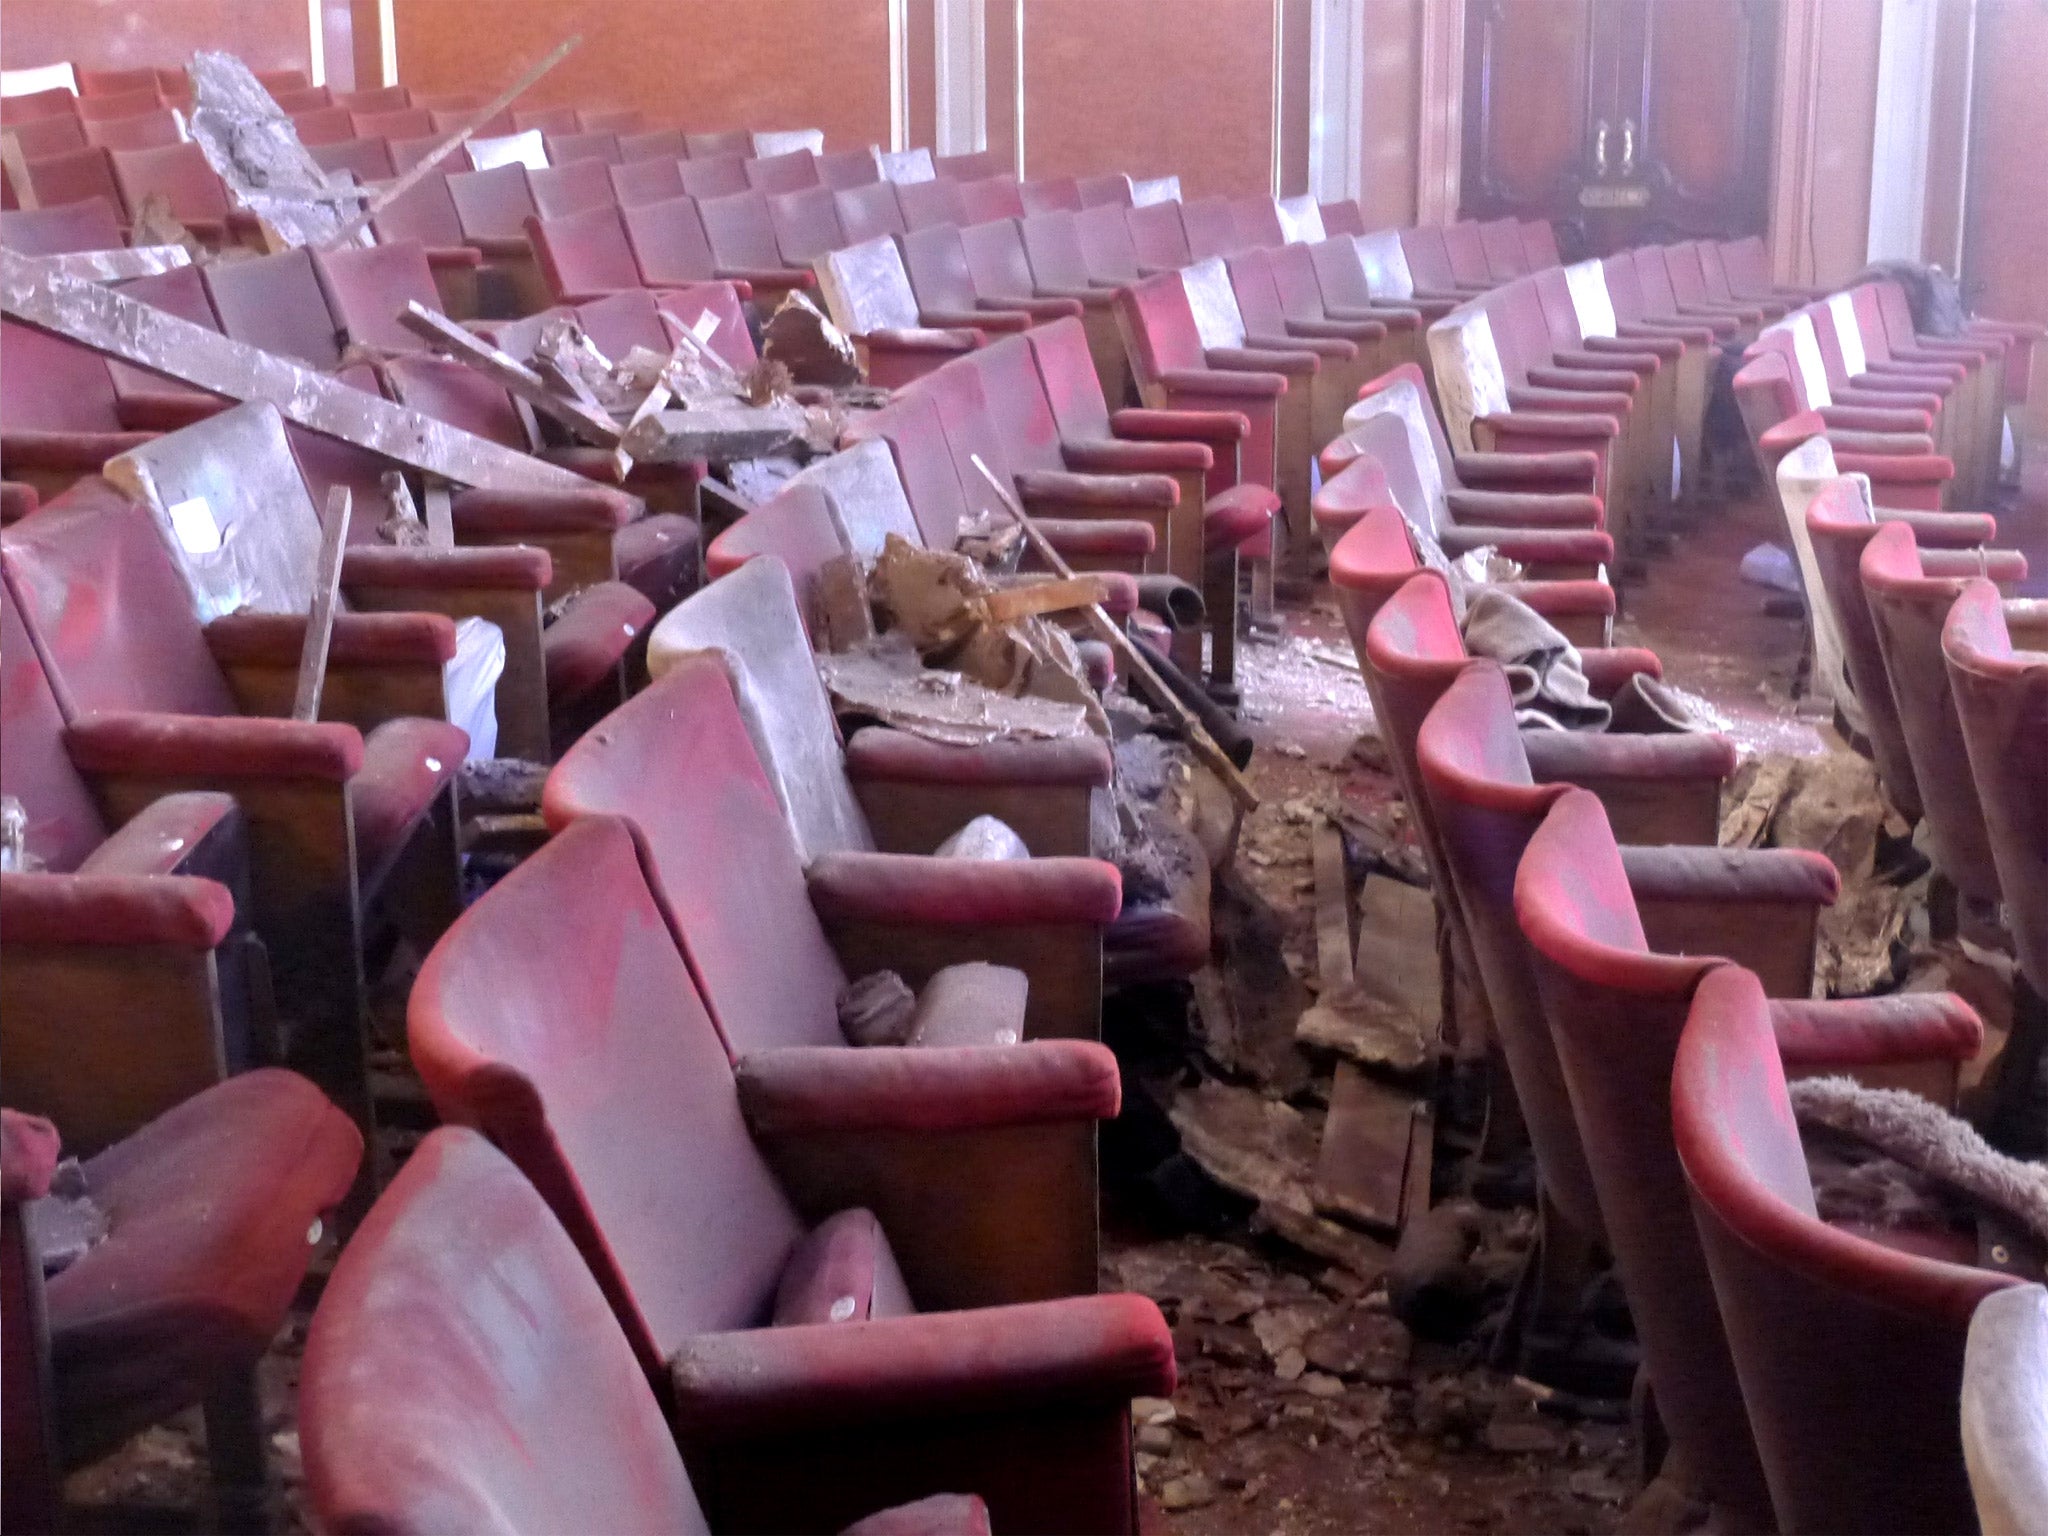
(561, 1020)
(420, 1405)
(1850, 1352)
(1616, 992)
(213, 1210)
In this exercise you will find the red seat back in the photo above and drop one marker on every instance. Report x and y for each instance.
(145, 130)
(930, 202)
(464, 1368)
(1109, 191)
(425, 212)
(584, 252)
(1057, 192)
(2001, 699)
(1158, 236)
(368, 159)
(276, 303)
(546, 119)
(98, 587)
(1429, 262)
(405, 123)
(1466, 251)
(382, 98)
(741, 234)
(1159, 326)
(368, 287)
(976, 166)
(493, 204)
(91, 225)
(1053, 253)
(1073, 390)
(911, 426)
(324, 125)
(1539, 245)
(649, 180)
(1342, 218)
(42, 136)
(617, 121)
(1850, 1353)
(806, 224)
(994, 197)
(576, 187)
(181, 293)
(131, 103)
(848, 168)
(458, 395)
(734, 143)
(64, 825)
(570, 148)
(996, 261)
(558, 1017)
(782, 173)
(1017, 406)
(661, 144)
(1501, 240)
(77, 175)
(177, 172)
(717, 176)
(668, 242)
(868, 212)
(36, 105)
(50, 384)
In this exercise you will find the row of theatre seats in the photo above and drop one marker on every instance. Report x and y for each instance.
(1651, 992)
(876, 1284)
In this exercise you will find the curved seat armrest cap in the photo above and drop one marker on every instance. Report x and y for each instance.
(956, 893)
(567, 511)
(880, 754)
(1144, 424)
(926, 1089)
(1730, 874)
(1568, 756)
(140, 744)
(180, 911)
(508, 567)
(1866, 1031)
(359, 639)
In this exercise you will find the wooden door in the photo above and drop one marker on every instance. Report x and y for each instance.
(1623, 122)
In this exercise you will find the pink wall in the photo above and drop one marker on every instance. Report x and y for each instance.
(695, 64)
(2006, 229)
(1149, 87)
(128, 34)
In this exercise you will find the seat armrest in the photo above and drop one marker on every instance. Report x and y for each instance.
(1576, 378)
(1656, 789)
(1593, 402)
(880, 755)
(2004, 566)
(1007, 1361)
(1536, 547)
(1943, 530)
(115, 910)
(1873, 418)
(1738, 875)
(1567, 472)
(495, 513)
(1336, 348)
(180, 834)
(1002, 321)
(359, 639)
(1214, 428)
(82, 453)
(2026, 618)
(946, 340)
(770, 277)
(963, 893)
(498, 567)
(1525, 509)
(1557, 425)
(1659, 348)
(1114, 456)
(1224, 383)
(134, 744)
(1759, 907)
(1262, 360)
(926, 1090)
(1870, 1031)
(1037, 306)
(1047, 491)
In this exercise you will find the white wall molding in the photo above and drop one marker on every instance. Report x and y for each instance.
(1440, 133)
(1907, 48)
(1336, 100)
(960, 87)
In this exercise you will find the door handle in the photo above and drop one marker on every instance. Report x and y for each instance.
(1600, 148)
(1628, 147)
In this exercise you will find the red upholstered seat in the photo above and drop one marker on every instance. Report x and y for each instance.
(571, 187)
(277, 303)
(1849, 1352)
(212, 1210)
(992, 197)
(585, 255)
(368, 287)
(850, 168)
(648, 179)
(653, 144)
(103, 105)
(1615, 1013)
(73, 176)
(869, 211)
(742, 239)
(931, 202)
(783, 173)
(381, 98)
(145, 130)
(565, 149)
(179, 174)
(728, 142)
(717, 176)
(806, 224)
(1111, 190)
(608, 1085)
(368, 159)
(91, 224)
(33, 106)
(492, 205)
(668, 243)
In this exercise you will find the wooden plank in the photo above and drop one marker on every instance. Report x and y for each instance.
(117, 266)
(392, 191)
(1333, 907)
(111, 323)
(1023, 602)
(16, 164)
(440, 514)
(1135, 667)
(1421, 1161)
(1362, 1166)
(503, 369)
(1397, 957)
(326, 598)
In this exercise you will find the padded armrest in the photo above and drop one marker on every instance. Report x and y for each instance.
(1943, 530)
(2004, 566)
(1570, 757)
(1553, 424)
(1224, 383)
(1533, 546)
(1533, 471)
(1038, 306)
(1867, 1031)
(1364, 328)
(577, 511)
(1872, 418)
(1002, 321)
(1209, 427)
(1525, 509)
(1586, 379)
(1589, 401)
(1056, 488)
(360, 639)
(1096, 537)
(1092, 1350)
(162, 837)
(807, 1090)
(1740, 875)
(66, 452)
(1654, 349)
(1113, 456)
(1653, 330)
(454, 256)
(1565, 598)
(500, 247)
(1393, 317)
(770, 277)
(498, 567)
(963, 893)
(880, 755)
(180, 911)
(2026, 618)
(1918, 465)
(1261, 360)
(1336, 348)
(925, 339)
(131, 743)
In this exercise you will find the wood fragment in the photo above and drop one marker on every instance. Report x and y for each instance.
(391, 191)
(841, 599)
(1136, 667)
(326, 599)
(501, 368)
(117, 326)
(16, 165)
(1362, 1165)
(440, 500)
(1022, 602)
(1333, 907)
(656, 400)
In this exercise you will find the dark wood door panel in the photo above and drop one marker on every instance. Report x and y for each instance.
(1526, 89)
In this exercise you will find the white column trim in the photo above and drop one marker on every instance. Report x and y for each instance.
(316, 43)
(1899, 145)
(1440, 138)
(899, 76)
(1336, 99)
(960, 89)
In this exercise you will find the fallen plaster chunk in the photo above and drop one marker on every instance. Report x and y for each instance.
(253, 147)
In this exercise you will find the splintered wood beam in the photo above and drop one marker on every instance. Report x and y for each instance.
(326, 596)
(392, 191)
(117, 266)
(117, 326)
(508, 372)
